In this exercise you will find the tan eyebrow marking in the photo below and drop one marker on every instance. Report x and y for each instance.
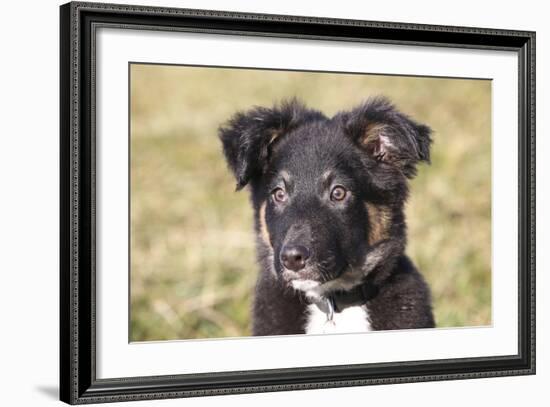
(285, 175)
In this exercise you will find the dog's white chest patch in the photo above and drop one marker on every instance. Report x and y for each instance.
(350, 320)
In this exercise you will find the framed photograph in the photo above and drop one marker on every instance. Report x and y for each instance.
(255, 203)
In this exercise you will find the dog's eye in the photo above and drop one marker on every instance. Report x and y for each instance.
(279, 195)
(338, 193)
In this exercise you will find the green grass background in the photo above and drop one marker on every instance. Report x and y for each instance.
(192, 246)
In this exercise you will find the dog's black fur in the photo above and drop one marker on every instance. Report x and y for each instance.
(329, 195)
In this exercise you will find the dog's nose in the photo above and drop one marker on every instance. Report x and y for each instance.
(294, 257)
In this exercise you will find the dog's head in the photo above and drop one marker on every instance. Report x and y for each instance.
(328, 192)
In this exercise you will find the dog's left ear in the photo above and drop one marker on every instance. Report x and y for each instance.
(248, 136)
(389, 136)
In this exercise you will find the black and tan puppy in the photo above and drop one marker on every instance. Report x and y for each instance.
(328, 196)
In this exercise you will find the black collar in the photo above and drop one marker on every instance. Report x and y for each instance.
(338, 301)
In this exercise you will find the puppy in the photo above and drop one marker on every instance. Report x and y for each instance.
(328, 196)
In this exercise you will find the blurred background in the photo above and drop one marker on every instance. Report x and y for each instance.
(192, 256)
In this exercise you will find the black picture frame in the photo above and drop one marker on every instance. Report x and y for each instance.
(78, 382)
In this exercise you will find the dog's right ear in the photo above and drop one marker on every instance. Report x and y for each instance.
(247, 136)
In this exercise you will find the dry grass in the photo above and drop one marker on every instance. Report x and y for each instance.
(192, 248)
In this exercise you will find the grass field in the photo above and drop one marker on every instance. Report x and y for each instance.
(192, 248)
